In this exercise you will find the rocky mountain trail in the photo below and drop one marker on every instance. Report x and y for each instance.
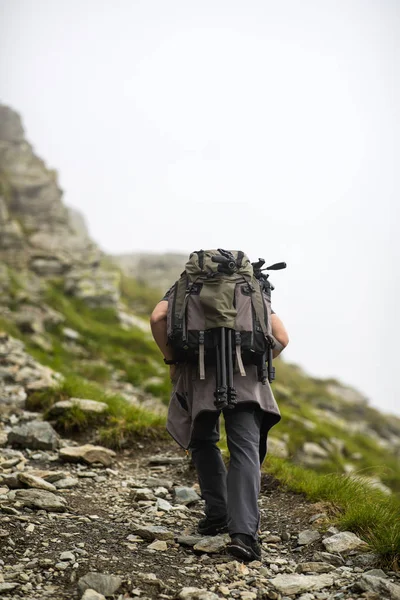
(81, 521)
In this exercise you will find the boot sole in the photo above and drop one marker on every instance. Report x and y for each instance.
(242, 553)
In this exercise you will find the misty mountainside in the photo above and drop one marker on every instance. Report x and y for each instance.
(158, 271)
(75, 325)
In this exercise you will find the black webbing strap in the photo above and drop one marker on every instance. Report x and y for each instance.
(200, 254)
(239, 259)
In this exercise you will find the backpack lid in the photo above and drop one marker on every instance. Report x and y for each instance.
(207, 263)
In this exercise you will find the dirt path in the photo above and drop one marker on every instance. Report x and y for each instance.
(44, 554)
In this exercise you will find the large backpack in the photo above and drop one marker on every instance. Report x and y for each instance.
(219, 313)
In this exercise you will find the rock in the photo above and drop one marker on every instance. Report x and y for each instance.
(92, 595)
(308, 536)
(343, 542)
(97, 288)
(7, 587)
(155, 482)
(164, 505)
(101, 583)
(35, 482)
(41, 500)
(212, 544)
(88, 453)
(143, 494)
(277, 447)
(192, 593)
(296, 584)
(89, 407)
(38, 435)
(159, 545)
(67, 556)
(66, 483)
(70, 334)
(314, 450)
(383, 587)
(186, 495)
(153, 532)
(376, 573)
(314, 567)
(189, 540)
(318, 517)
(332, 559)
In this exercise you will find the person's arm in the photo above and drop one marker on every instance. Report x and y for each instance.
(158, 323)
(280, 334)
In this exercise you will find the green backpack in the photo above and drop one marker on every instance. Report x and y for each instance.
(219, 314)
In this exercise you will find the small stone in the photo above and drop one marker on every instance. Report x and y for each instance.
(41, 499)
(159, 545)
(333, 559)
(70, 334)
(308, 536)
(164, 505)
(343, 542)
(272, 539)
(314, 567)
(318, 517)
(153, 532)
(38, 435)
(192, 593)
(68, 556)
(154, 482)
(101, 583)
(189, 540)
(212, 544)
(92, 595)
(62, 566)
(186, 495)
(30, 528)
(7, 587)
(143, 494)
(89, 407)
(379, 585)
(88, 453)
(66, 483)
(35, 482)
(296, 584)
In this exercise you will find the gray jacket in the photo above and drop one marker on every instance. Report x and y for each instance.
(191, 396)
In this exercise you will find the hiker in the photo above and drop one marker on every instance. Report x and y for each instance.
(193, 417)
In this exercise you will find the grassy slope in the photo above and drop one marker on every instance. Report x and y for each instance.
(369, 512)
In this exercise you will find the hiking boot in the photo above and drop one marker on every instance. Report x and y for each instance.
(208, 526)
(244, 547)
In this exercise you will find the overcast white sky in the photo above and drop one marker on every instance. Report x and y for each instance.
(270, 126)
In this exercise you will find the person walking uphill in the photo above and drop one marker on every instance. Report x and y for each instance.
(217, 331)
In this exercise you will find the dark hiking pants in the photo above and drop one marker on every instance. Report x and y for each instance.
(233, 493)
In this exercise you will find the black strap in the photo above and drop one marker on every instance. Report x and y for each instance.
(200, 254)
(239, 259)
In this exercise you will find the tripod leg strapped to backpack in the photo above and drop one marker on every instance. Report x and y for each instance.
(225, 393)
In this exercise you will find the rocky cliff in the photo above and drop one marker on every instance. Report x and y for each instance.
(39, 235)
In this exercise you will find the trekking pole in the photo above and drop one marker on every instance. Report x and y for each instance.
(232, 401)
